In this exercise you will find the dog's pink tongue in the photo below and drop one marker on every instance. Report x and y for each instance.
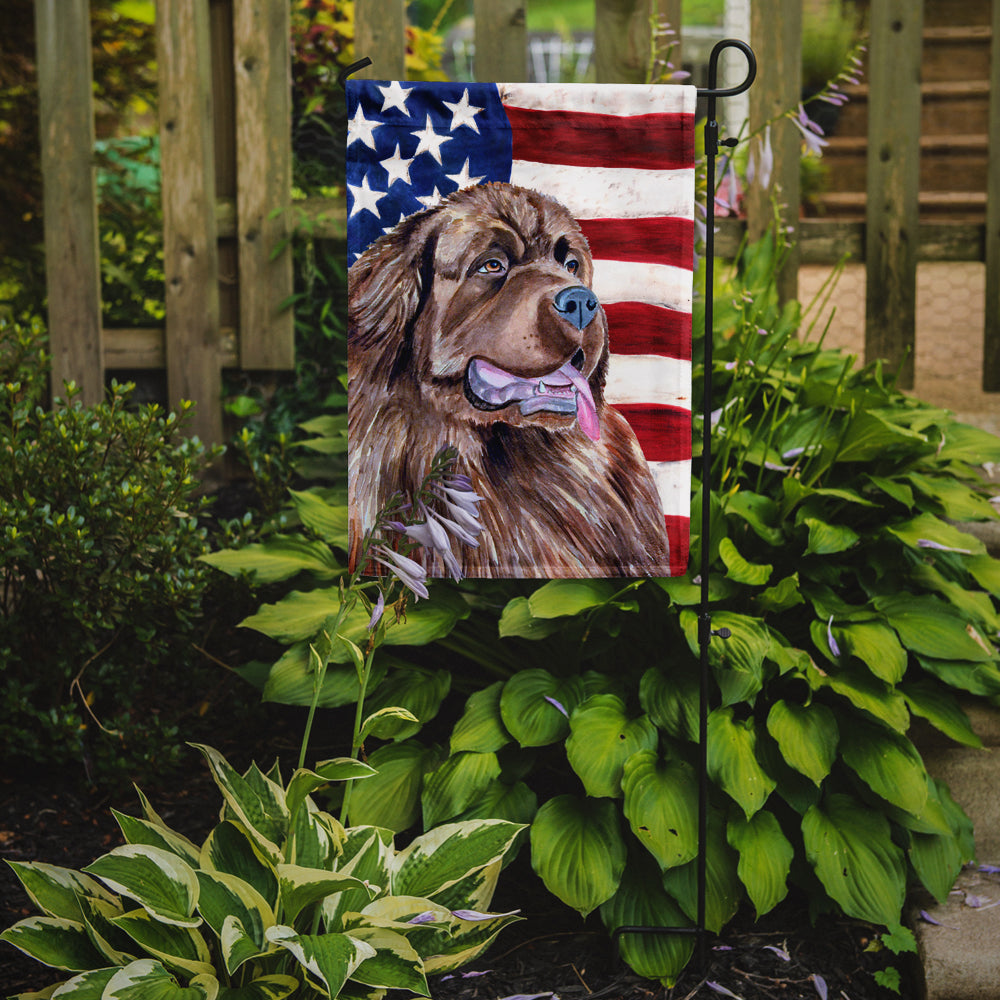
(586, 411)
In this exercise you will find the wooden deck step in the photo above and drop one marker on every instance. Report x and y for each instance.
(946, 104)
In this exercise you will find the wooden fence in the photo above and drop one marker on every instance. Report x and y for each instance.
(226, 160)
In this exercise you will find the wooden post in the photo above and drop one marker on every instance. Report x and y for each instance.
(380, 34)
(893, 183)
(72, 255)
(501, 41)
(991, 333)
(190, 254)
(622, 40)
(776, 35)
(261, 56)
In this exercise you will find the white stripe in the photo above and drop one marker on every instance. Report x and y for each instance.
(647, 378)
(655, 284)
(610, 192)
(673, 483)
(600, 98)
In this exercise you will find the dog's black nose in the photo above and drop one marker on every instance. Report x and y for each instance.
(578, 305)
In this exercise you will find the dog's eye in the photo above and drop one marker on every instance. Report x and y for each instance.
(492, 266)
(572, 266)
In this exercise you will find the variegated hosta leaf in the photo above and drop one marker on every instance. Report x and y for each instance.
(602, 737)
(56, 891)
(158, 880)
(661, 800)
(456, 784)
(300, 887)
(304, 782)
(54, 941)
(850, 847)
(315, 838)
(275, 987)
(732, 760)
(116, 946)
(642, 902)
(765, 858)
(441, 857)
(807, 736)
(87, 986)
(481, 727)
(328, 959)
(395, 964)
(230, 849)
(141, 831)
(225, 897)
(578, 851)
(367, 853)
(468, 939)
(147, 979)
(476, 890)
(177, 947)
(535, 706)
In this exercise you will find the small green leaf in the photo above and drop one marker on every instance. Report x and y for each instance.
(279, 558)
(517, 620)
(765, 858)
(417, 690)
(671, 699)
(828, 539)
(559, 598)
(936, 704)
(535, 706)
(807, 736)
(888, 763)
(738, 569)
(928, 528)
(481, 727)
(456, 784)
(383, 724)
(325, 519)
(783, 595)
(732, 760)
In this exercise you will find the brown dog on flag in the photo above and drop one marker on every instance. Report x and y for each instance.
(472, 324)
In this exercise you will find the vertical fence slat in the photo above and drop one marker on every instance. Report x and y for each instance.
(190, 253)
(893, 183)
(380, 34)
(991, 333)
(776, 34)
(501, 41)
(261, 56)
(72, 257)
(621, 40)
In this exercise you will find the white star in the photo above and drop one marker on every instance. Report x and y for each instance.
(364, 197)
(463, 113)
(430, 141)
(397, 168)
(430, 200)
(395, 97)
(360, 128)
(462, 178)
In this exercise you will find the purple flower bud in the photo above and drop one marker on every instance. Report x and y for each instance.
(427, 917)
(558, 705)
(377, 612)
(475, 915)
(927, 543)
(834, 648)
(411, 573)
(820, 983)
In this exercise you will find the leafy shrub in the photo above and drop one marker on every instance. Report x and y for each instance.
(99, 539)
(279, 899)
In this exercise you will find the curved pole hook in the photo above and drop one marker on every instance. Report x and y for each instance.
(713, 69)
(352, 68)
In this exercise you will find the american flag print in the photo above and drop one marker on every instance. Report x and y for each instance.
(621, 159)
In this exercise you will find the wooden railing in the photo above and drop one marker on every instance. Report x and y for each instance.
(226, 155)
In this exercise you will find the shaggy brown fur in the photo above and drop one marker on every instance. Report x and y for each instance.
(474, 280)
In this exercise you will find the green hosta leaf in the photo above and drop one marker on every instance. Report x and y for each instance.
(850, 847)
(180, 948)
(54, 941)
(732, 760)
(932, 628)
(941, 709)
(225, 897)
(147, 979)
(937, 859)
(958, 502)
(159, 881)
(738, 661)
(441, 857)
(301, 887)
(602, 738)
(325, 519)
(578, 851)
(827, 539)
(865, 692)
(481, 728)
(758, 511)
(527, 711)
(386, 723)
(56, 891)
(516, 803)
(418, 691)
(230, 849)
(330, 959)
(738, 569)
(558, 598)
(723, 889)
(869, 436)
(671, 699)
(292, 680)
(986, 571)
(765, 858)
(456, 784)
(965, 443)
(876, 646)
(888, 763)
(391, 798)
(807, 736)
(783, 595)
(395, 964)
(275, 987)
(976, 678)
(141, 831)
(262, 812)
(279, 558)
(517, 620)
(976, 605)
(641, 901)
(928, 528)
(661, 799)
(893, 488)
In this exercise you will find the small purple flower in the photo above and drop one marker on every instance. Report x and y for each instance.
(834, 648)
(558, 705)
(780, 952)
(455, 528)
(811, 132)
(410, 573)
(719, 988)
(820, 983)
(927, 543)
(761, 164)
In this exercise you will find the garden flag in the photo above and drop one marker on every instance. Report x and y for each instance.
(520, 282)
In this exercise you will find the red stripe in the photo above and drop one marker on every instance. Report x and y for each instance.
(663, 432)
(640, 328)
(657, 240)
(583, 139)
(679, 536)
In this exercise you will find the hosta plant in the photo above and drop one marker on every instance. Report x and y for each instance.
(279, 900)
